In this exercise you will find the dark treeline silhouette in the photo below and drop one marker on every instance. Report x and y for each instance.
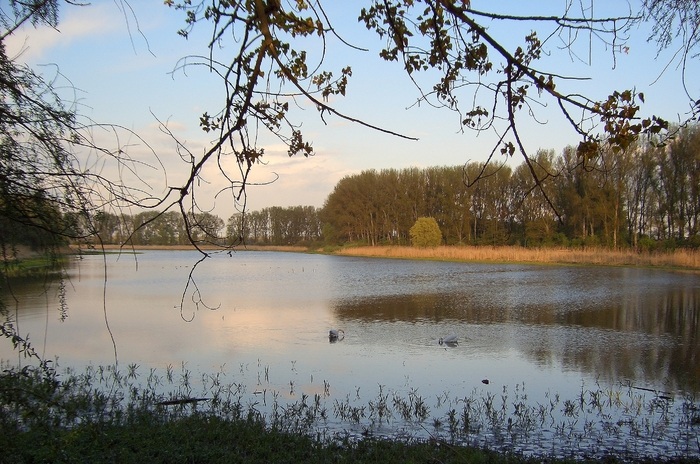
(298, 225)
(644, 197)
(154, 228)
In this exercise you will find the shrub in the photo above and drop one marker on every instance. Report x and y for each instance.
(646, 244)
(425, 233)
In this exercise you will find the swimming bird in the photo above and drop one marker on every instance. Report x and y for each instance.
(335, 335)
(450, 340)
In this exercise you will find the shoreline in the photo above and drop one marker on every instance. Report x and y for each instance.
(685, 260)
(681, 260)
(678, 259)
(129, 248)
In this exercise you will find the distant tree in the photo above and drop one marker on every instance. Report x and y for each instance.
(295, 225)
(532, 213)
(425, 233)
(204, 228)
(237, 228)
(109, 227)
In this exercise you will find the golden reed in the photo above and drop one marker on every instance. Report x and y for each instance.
(680, 259)
(685, 259)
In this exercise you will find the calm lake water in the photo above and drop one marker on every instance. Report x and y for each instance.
(527, 334)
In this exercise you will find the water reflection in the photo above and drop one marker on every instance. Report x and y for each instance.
(616, 325)
(33, 296)
(264, 318)
(600, 324)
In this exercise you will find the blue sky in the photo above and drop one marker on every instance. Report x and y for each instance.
(125, 77)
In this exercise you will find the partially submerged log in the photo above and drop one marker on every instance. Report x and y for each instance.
(181, 401)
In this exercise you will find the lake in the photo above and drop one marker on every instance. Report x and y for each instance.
(530, 338)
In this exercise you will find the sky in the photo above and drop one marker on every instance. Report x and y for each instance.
(120, 62)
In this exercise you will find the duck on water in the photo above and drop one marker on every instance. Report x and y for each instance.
(335, 335)
(450, 340)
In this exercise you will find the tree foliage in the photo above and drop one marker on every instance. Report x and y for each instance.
(648, 194)
(38, 179)
(297, 225)
(425, 233)
(52, 184)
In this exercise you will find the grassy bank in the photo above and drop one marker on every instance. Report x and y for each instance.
(103, 415)
(205, 439)
(25, 262)
(107, 415)
(678, 259)
(208, 439)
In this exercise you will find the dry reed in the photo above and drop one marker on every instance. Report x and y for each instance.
(682, 259)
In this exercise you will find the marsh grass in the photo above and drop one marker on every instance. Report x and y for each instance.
(32, 266)
(126, 415)
(684, 259)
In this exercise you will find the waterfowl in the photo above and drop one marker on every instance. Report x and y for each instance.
(335, 335)
(449, 340)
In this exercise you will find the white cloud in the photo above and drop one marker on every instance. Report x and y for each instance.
(279, 181)
(35, 44)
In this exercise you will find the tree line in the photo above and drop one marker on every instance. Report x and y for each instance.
(644, 196)
(298, 225)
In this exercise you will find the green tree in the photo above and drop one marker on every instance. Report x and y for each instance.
(532, 211)
(109, 227)
(640, 193)
(204, 228)
(425, 233)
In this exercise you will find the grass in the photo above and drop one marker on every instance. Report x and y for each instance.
(33, 266)
(679, 259)
(103, 416)
(108, 415)
(200, 438)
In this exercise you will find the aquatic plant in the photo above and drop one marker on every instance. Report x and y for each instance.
(622, 421)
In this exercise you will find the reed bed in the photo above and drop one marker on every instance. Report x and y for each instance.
(678, 259)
